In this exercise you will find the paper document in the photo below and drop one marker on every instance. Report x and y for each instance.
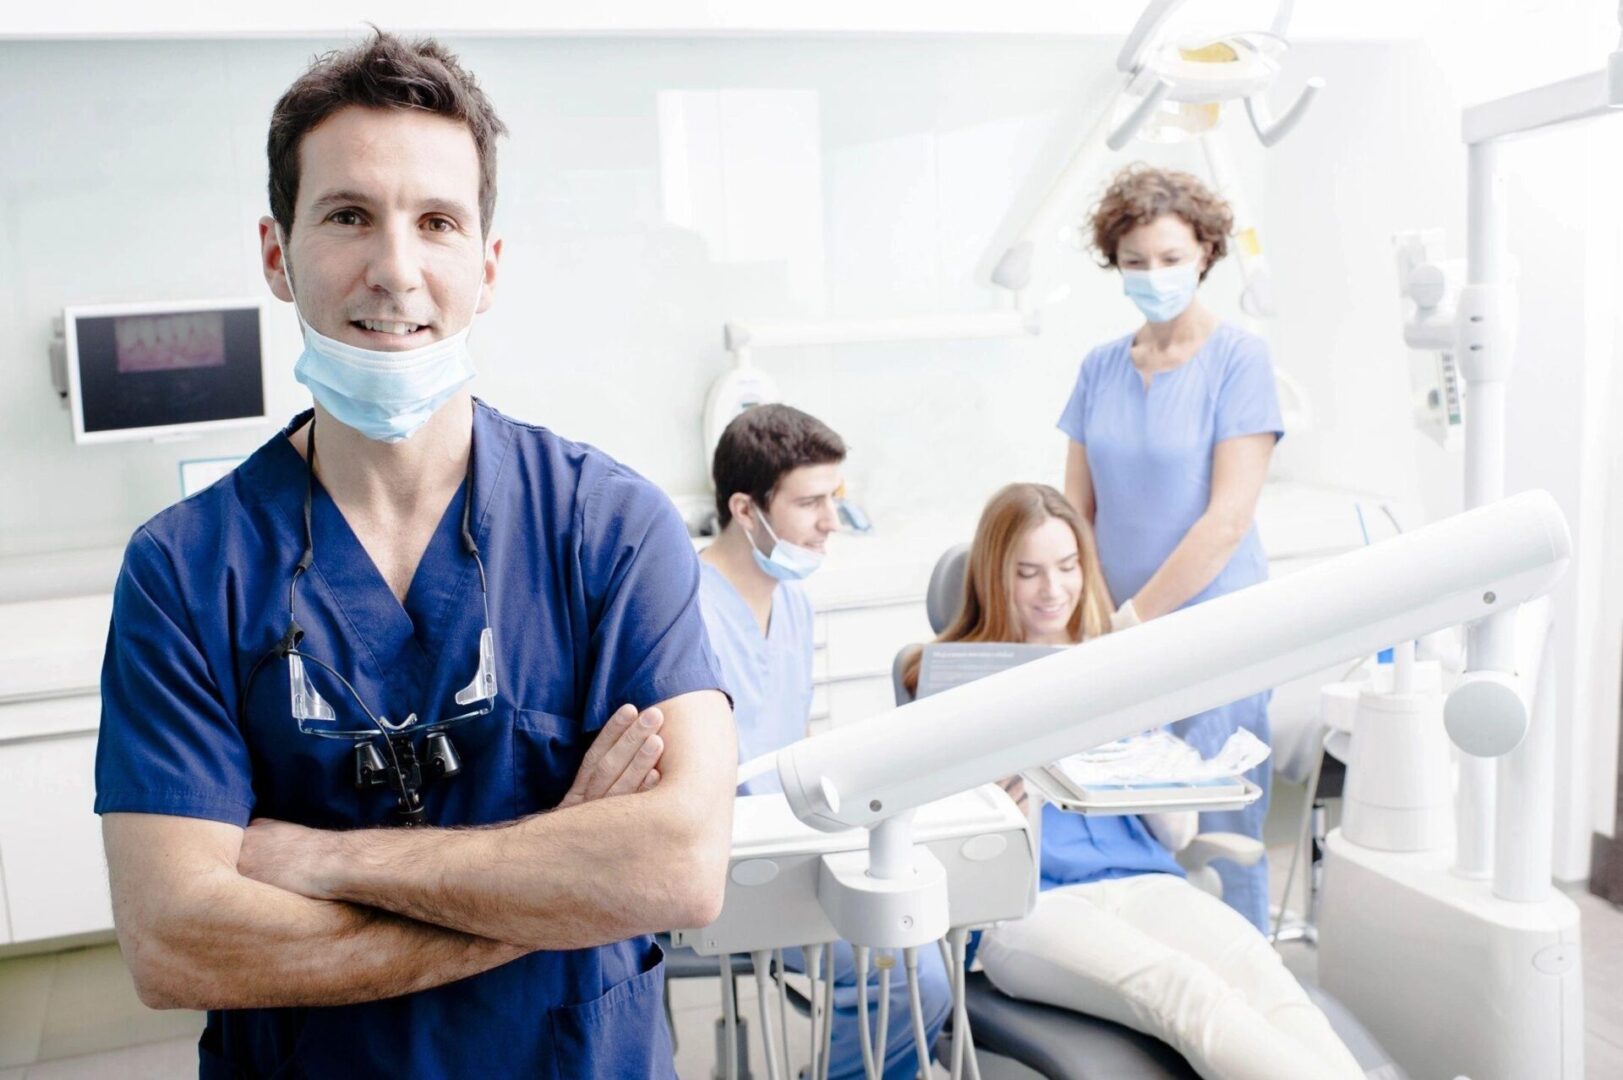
(947, 664)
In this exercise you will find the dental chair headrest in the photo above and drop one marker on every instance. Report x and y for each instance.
(946, 592)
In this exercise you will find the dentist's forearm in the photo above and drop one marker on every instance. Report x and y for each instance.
(577, 878)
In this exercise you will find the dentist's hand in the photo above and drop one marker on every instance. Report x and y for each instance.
(623, 759)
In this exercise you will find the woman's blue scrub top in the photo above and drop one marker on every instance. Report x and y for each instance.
(1150, 451)
(1150, 456)
(769, 676)
(593, 603)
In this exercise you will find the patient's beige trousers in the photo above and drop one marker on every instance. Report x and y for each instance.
(1158, 955)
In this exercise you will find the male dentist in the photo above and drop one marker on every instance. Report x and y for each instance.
(407, 609)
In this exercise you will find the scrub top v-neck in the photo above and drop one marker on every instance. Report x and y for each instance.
(769, 676)
(593, 591)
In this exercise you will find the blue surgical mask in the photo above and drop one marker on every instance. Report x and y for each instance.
(788, 562)
(383, 395)
(1164, 294)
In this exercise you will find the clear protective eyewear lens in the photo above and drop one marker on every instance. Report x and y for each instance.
(483, 686)
(316, 717)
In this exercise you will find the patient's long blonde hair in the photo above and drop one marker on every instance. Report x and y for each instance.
(987, 611)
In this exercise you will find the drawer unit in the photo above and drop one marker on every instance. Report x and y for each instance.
(50, 841)
(856, 646)
(53, 875)
(864, 640)
(855, 700)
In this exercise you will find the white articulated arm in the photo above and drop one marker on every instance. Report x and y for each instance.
(1452, 572)
(1270, 132)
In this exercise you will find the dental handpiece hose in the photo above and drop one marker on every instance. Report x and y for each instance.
(762, 959)
(864, 1036)
(828, 1011)
(910, 957)
(783, 1011)
(885, 961)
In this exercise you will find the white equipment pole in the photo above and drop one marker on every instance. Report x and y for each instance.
(1504, 806)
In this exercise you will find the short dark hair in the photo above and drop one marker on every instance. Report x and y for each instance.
(1139, 194)
(386, 72)
(762, 444)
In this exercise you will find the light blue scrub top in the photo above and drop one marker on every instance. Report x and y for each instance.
(1150, 450)
(769, 677)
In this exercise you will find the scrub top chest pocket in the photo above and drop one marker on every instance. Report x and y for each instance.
(547, 750)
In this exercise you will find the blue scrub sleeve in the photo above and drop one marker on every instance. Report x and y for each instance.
(1248, 398)
(169, 744)
(641, 577)
(1073, 421)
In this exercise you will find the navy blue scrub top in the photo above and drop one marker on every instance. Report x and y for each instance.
(593, 603)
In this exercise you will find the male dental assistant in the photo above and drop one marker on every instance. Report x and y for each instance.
(409, 609)
(777, 477)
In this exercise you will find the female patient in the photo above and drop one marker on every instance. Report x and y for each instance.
(1118, 932)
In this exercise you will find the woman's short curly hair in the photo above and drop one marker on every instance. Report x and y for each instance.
(1140, 193)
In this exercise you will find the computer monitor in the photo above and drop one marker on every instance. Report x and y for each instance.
(156, 370)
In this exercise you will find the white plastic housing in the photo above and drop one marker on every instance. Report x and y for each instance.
(884, 913)
(1398, 795)
(1451, 572)
(1452, 981)
(776, 898)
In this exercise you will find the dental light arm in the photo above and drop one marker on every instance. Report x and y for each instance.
(1152, 75)
(1456, 571)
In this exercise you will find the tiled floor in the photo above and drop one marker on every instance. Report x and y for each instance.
(66, 1007)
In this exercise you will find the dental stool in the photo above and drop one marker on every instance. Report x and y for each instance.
(1065, 1045)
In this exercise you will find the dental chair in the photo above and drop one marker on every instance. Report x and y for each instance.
(1064, 1045)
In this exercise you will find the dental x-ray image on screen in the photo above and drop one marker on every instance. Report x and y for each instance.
(149, 370)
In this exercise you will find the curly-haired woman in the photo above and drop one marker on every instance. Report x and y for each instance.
(1171, 428)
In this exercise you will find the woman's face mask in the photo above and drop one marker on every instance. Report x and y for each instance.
(1162, 295)
(1160, 265)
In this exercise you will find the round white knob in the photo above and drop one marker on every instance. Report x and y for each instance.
(1485, 713)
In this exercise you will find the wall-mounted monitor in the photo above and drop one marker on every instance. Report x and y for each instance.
(165, 369)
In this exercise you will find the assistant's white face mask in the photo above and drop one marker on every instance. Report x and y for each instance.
(386, 396)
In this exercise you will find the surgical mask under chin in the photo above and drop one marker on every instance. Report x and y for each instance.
(385, 396)
(1164, 294)
(788, 562)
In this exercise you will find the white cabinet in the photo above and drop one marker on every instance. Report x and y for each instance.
(856, 644)
(864, 640)
(52, 872)
(53, 876)
(856, 700)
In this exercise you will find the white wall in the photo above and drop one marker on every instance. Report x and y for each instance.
(816, 178)
(653, 188)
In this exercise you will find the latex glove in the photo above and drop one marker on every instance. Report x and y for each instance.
(1124, 618)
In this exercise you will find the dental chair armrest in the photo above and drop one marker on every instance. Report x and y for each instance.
(1244, 850)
